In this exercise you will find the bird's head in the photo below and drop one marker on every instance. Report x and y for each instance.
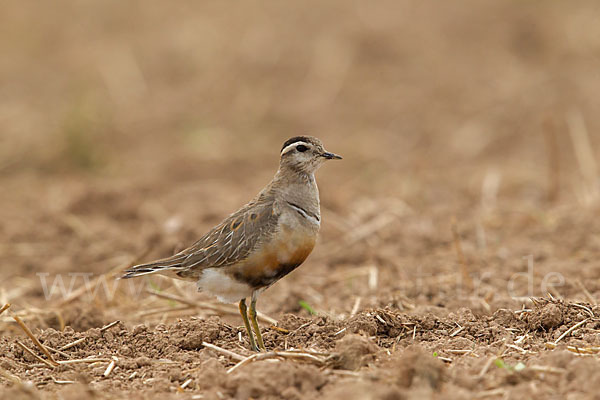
(304, 154)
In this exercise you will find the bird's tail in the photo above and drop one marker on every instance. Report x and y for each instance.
(164, 265)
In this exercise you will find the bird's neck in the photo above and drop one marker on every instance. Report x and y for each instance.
(286, 175)
(299, 188)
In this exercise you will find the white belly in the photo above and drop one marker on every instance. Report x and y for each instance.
(227, 290)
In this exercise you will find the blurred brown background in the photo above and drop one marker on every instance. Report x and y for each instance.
(132, 124)
(470, 133)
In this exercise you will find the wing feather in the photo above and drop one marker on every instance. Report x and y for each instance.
(228, 243)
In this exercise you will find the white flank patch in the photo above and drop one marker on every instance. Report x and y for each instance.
(227, 290)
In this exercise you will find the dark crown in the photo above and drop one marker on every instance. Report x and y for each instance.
(305, 139)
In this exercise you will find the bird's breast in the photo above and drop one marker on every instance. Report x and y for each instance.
(277, 258)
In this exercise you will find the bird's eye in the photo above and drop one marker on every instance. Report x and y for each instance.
(301, 148)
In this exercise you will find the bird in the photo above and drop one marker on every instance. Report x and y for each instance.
(260, 243)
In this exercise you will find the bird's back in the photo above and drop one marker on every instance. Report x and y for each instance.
(279, 225)
(228, 243)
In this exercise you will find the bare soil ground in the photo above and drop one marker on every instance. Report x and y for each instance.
(460, 242)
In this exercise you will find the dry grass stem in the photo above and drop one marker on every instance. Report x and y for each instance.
(84, 360)
(340, 331)
(465, 351)
(491, 393)
(312, 352)
(584, 308)
(520, 339)
(356, 306)
(72, 344)
(57, 351)
(278, 329)
(487, 365)
(369, 228)
(222, 308)
(62, 382)
(185, 384)
(461, 256)
(456, 332)
(519, 349)
(549, 370)
(584, 154)
(10, 377)
(373, 278)
(34, 339)
(110, 368)
(571, 329)
(162, 310)
(343, 372)
(4, 308)
(489, 190)
(226, 352)
(553, 160)
(554, 293)
(583, 350)
(108, 326)
(524, 310)
(587, 294)
(278, 354)
(40, 359)
(75, 294)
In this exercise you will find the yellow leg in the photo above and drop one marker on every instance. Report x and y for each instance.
(259, 338)
(247, 324)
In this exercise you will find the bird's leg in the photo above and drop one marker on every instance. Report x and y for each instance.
(259, 338)
(243, 311)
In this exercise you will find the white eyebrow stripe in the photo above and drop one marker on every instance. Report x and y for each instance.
(293, 145)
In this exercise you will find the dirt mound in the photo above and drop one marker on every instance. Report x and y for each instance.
(411, 353)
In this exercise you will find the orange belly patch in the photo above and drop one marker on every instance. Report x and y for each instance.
(275, 259)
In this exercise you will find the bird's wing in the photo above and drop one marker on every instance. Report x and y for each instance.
(234, 239)
(227, 243)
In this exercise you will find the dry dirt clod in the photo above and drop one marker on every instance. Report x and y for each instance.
(548, 316)
(353, 352)
(417, 367)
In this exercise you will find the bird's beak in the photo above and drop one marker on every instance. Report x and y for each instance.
(331, 156)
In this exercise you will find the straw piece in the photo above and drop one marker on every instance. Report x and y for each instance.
(587, 294)
(84, 360)
(277, 354)
(459, 253)
(571, 329)
(4, 308)
(222, 308)
(109, 369)
(106, 327)
(72, 344)
(40, 359)
(34, 339)
(218, 349)
(7, 375)
(584, 154)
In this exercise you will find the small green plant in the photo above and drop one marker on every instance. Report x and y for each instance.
(154, 286)
(501, 364)
(307, 307)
